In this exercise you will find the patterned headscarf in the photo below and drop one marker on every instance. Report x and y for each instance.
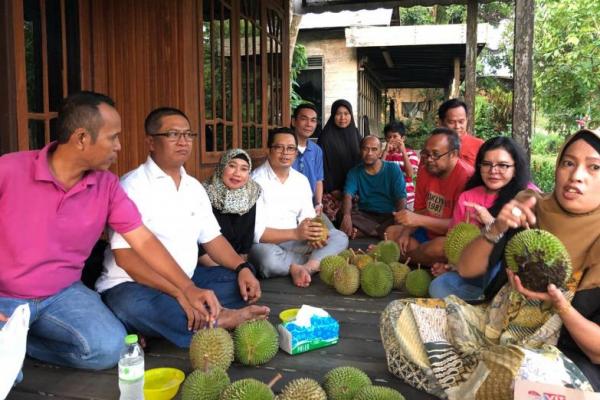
(231, 201)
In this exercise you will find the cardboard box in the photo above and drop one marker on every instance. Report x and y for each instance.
(527, 390)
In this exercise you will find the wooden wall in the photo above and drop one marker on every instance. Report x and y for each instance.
(145, 54)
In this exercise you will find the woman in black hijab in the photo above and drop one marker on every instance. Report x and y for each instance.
(340, 142)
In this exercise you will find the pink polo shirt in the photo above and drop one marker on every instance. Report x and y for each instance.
(47, 233)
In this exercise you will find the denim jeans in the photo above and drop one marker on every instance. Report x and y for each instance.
(73, 328)
(465, 288)
(156, 314)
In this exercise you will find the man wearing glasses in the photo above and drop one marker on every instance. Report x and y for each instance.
(176, 208)
(440, 181)
(54, 205)
(287, 241)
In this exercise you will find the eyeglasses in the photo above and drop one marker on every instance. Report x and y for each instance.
(489, 166)
(425, 155)
(174, 136)
(279, 148)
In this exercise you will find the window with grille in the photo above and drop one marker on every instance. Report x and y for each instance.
(52, 69)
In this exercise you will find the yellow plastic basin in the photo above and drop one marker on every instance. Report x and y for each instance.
(162, 383)
(288, 315)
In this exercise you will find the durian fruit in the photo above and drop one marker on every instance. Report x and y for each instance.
(302, 389)
(327, 267)
(376, 279)
(378, 393)
(249, 389)
(206, 384)
(361, 260)
(346, 279)
(214, 343)
(342, 383)
(457, 239)
(539, 258)
(324, 230)
(417, 282)
(346, 254)
(399, 270)
(256, 342)
(387, 251)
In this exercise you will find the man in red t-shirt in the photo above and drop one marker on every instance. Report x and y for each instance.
(453, 114)
(439, 184)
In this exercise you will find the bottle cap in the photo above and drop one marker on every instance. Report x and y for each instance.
(131, 339)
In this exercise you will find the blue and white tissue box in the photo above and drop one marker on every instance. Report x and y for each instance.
(312, 328)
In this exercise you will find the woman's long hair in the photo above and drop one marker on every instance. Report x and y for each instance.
(521, 176)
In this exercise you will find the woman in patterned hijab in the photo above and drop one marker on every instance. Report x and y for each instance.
(233, 195)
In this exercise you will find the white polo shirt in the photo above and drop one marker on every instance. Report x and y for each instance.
(281, 205)
(180, 219)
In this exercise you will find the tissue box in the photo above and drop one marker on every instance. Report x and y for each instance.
(310, 330)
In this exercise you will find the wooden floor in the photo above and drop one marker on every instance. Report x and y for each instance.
(359, 346)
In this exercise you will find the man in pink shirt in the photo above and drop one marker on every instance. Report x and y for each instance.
(453, 114)
(54, 205)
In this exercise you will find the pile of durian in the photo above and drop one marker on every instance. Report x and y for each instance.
(213, 349)
(376, 272)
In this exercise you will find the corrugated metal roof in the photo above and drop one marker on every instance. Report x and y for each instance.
(378, 17)
(320, 6)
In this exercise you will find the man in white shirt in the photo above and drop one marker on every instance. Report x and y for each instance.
(287, 241)
(176, 208)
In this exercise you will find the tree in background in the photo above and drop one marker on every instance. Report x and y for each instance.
(567, 62)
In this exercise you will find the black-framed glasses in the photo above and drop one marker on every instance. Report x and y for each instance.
(279, 148)
(425, 155)
(489, 166)
(174, 136)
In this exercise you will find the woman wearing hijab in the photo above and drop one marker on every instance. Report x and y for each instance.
(450, 348)
(340, 142)
(233, 197)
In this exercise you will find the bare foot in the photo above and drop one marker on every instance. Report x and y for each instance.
(354, 233)
(300, 275)
(230, 318)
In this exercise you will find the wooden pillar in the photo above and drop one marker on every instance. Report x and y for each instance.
(455, 90)
(523, 73)
(471, 62)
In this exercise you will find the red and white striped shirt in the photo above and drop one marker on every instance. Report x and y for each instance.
(398, 158)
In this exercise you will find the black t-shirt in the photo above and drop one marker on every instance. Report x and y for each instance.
(237, 229)
(587, 303)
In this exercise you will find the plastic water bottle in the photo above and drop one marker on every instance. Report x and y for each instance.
(131, 370)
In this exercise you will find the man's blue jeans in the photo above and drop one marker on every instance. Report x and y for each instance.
(73, 328)
(466, 289)
(156, 314)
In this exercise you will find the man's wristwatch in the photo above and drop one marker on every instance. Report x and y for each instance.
(243, 265)
(487, 234)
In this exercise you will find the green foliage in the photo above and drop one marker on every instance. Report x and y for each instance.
(567, 49)
(299, 62)
(546, 144)
(491, 13)
(542, 171)
(493, 113)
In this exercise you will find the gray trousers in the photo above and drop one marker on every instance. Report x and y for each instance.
(275, 259)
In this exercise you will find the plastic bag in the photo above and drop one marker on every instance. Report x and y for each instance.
(13, 343)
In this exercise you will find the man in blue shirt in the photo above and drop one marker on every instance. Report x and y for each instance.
(381, 190)
(309, 160)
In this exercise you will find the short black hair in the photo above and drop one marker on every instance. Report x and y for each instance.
(310, 106)
(153, 121)
(80, 110)
(394, 126)
(449, 104)
(453, 139)
(278, 131)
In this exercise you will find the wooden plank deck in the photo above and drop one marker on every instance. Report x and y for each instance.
(359, 345)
